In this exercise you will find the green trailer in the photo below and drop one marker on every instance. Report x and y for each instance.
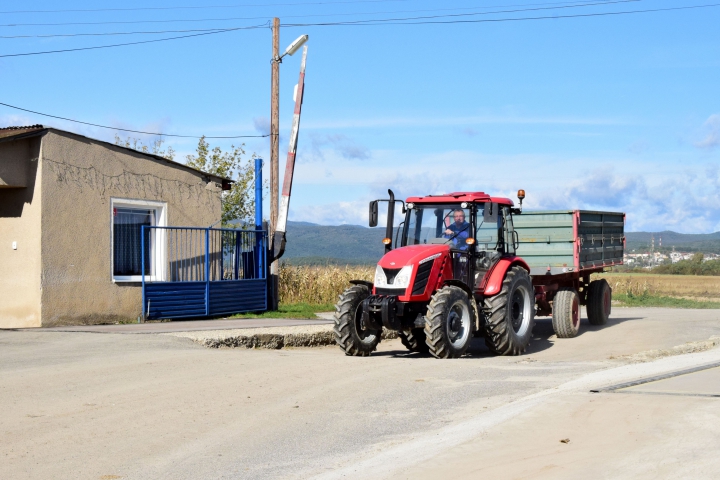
(563, 248)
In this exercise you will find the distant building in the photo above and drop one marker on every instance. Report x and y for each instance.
(71, 209)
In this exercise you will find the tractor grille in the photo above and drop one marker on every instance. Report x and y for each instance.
(389, 291)
(421, 279)
(390, 274)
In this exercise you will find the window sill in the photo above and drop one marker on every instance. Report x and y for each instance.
(135, 279)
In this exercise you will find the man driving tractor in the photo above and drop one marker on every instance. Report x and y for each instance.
(459, 231)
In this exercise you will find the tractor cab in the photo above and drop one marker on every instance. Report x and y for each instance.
(476, 228)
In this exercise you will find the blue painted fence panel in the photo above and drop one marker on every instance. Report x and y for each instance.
(202, 272)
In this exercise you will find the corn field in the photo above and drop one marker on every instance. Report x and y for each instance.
(680, 286)
(322, 284)
(318, 284)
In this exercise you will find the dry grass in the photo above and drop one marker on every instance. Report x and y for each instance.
(678, 286)
(318, 285)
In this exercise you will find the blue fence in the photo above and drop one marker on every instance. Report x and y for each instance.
(202, 272)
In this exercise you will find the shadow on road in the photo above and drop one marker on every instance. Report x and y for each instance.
(543, 338)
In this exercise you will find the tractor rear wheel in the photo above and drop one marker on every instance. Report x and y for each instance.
(510, 315)
(350, 334)
(566, 313)
(414, 340)
(599, 302)
(449, 323)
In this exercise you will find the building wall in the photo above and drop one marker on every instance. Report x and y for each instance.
(79, 179)
(20, 210)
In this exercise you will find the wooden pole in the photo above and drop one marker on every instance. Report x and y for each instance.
(274, 152)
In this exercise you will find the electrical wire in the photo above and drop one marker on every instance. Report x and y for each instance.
(295, 16)
(400, 21)
(213, 32)
(227, 19)
(125, 129)
(202, 7)
(388, 21)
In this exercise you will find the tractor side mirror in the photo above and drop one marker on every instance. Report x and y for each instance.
(373, 213)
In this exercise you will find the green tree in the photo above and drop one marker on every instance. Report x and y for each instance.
(238, 203)
(155, 147)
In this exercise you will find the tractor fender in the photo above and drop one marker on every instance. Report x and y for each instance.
(459, 284)
(362, 282)
(495, 277)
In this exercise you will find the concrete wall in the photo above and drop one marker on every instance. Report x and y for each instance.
(79, 179)
(20, 222)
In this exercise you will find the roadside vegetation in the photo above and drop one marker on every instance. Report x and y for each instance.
(306, 289)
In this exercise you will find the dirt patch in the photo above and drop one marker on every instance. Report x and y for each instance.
(690, 347)
(271, 338)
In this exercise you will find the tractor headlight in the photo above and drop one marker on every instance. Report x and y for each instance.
(380, 278)
(402, 279)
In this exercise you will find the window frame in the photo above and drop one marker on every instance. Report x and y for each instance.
(157, 253)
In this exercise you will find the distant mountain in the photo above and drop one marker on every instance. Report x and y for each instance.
(694, 242)
(309, 243)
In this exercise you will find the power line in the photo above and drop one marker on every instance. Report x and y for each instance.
(131, 43)
(386, 21)
(125, 129)
(296, 16)
(202, 7)
(228, 19)
(401, 21)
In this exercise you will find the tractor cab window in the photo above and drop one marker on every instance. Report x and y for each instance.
(438, 224)
(488, 227)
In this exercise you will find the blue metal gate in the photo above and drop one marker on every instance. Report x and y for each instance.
(192, 272)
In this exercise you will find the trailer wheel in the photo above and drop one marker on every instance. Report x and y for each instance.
(510, 315)
(449, 323)
(566, 313)
(350, 335)
(599, 302)
(414, 340)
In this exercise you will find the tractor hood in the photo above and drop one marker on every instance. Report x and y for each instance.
(411, 255)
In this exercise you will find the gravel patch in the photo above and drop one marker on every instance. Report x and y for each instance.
(271, 338)
(689, 347)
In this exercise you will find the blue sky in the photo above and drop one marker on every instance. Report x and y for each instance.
(617, 112)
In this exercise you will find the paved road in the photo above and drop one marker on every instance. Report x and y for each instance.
(81, 405)
(189, 326)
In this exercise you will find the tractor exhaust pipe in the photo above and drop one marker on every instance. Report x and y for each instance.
(390, 221)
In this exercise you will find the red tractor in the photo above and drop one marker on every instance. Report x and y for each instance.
(455, 274)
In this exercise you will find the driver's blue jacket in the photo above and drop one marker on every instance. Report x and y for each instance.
(460, 234)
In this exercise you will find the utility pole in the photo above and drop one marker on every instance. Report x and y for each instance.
(274, 151)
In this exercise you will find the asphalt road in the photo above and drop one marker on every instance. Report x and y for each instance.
(92, 405)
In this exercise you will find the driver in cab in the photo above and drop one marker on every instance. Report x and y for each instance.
(458, 231)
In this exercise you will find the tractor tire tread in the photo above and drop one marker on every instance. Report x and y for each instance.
(498, 336)
(344, 320)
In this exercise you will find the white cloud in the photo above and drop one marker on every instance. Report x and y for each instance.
(435, 121)
(341, 144)
(711, 138)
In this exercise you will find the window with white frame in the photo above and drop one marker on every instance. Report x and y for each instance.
(128, 218)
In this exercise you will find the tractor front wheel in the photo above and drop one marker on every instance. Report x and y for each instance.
(350, 333)
(449, 323)
(510, 315)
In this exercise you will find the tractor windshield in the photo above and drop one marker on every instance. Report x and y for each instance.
(450, 224)
(440, 224)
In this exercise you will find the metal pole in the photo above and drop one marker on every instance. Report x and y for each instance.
(274, 148)
(258, 218)
(142, 271)
(280, 227)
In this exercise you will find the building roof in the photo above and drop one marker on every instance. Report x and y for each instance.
(16, 132)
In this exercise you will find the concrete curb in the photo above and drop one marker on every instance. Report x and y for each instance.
(273, 338)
